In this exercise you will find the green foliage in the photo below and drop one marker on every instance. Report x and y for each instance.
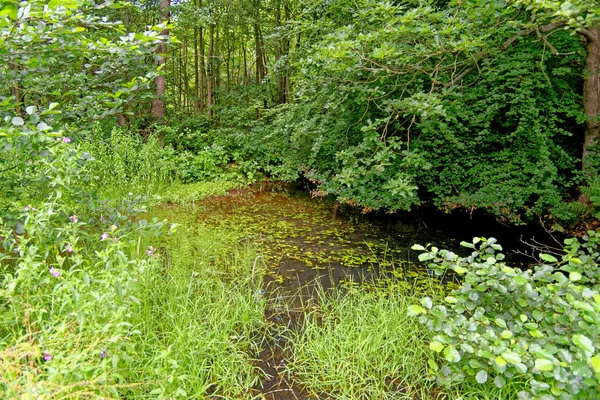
(58, 264)
(125, 159)
(536, 327)
(186, 194)
(74, 53)
(207, 164)
(39, 164)
(361, 345)
(403, 103)
(200, 319)
(187, 135)
(505, 144)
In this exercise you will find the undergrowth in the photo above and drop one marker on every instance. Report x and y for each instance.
(361, 344)
(201, 322)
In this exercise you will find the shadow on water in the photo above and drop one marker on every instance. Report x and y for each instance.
(307, 242)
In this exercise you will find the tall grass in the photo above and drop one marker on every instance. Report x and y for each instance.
(361, 344)
(200, 319)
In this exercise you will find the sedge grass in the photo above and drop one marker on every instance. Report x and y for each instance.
(200, 319)
(361, 344)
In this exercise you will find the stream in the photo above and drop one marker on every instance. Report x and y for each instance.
(307, 242)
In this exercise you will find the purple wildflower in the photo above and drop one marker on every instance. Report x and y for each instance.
(66, 139)
(73, 219)
(104, 236)
(54, 272)
(151, 250)
(26, 208)
(116, 239)
(68, 248)
(47, 356)
(103, 353)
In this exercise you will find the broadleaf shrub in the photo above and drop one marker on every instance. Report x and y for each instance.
(538, 326)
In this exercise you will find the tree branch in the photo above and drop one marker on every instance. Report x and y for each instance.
(589, 35)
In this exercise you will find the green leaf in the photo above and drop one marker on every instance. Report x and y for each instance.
(426, 302)
(595, 361)
(451, 354)
(536, 333)
(425, 256)
(542, 364)
(583, 342)
(506, 334)
(481, 377)
(414, 310)
(460, 270)
(548, 258)
(580, 305)
(417, 247)
(18, 121)
(519, 280)
(436, 346)
(500, 361)
(575, 276)
(511, 357)
(433, 365)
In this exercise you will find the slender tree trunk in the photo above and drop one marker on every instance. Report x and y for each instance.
(217, 62)
(196, 74)
(209, 78)
(286, 52)
(158, 103)
(245, 63)
(260, 67)
(591, 93)
(202, 68)
(186, 79)
(15, 90)
(228, 59)
(177, 76)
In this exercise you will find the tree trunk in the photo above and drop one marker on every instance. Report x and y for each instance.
(15, 90)
(591, 93)
(158, 103)
(245, 63)
(260, 67)
(186, 79)
(210, 70)
(202, 68)
(196, 74)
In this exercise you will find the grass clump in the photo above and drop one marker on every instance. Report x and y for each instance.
(185, 194)
(201, 320)
(361, 344)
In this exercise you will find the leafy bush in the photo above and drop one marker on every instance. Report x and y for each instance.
(126, 158)
(67, 285)
(538, 326)
(189, 134)
(206, 165)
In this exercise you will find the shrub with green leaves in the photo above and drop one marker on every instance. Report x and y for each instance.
(206, 165)
(127, 158)
(537, 326)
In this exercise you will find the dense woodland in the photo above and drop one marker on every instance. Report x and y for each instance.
(388, 106)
